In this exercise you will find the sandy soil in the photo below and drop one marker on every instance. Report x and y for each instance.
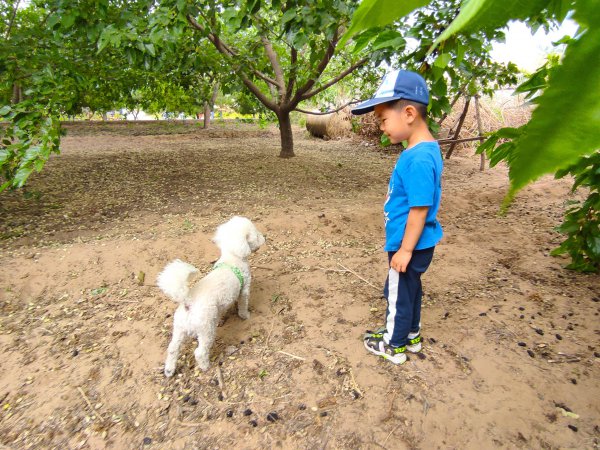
(511, 355)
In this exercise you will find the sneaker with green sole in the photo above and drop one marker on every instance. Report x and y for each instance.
(376, 345)
(414, 344)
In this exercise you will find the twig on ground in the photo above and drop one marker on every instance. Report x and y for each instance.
(568, 358)
(291, 356)
(269, 335)
(87, 400)
(354, 383)
(390, 413)
(118, 300)
(221, 382)
(332, 270)
(379, 445)
(358, 276)
(190, 424)
(262, 267)
(503, 325)
(426, 405)
(388, 436)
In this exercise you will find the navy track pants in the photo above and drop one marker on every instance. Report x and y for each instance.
(403, 293)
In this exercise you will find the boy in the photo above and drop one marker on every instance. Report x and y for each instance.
(410, 209)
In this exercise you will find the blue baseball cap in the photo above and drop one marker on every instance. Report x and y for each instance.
(396, 85)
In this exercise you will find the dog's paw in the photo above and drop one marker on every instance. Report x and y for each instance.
(169, 371)
(244, 315)
(203, 365)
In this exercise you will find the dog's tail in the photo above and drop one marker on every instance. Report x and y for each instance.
(173, 280)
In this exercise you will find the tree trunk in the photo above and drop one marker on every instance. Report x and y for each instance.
(458, 127)
(287, 138)
(206, 115)
(479, 131)
(210, 105)
(17, 94)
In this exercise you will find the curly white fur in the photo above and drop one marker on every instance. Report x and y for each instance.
(202, 305)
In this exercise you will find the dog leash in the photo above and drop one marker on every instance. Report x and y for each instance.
(237, 272)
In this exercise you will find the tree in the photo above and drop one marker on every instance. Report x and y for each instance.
(59, 57)
(279, 49)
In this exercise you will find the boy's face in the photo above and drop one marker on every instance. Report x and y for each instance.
(395, 122)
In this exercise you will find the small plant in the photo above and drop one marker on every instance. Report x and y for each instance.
(582, 220)
(99, 291)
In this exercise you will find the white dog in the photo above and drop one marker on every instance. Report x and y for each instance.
(203, 304)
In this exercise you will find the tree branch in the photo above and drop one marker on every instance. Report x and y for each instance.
(256, 91)
(320, 68)
(225, 49)
(336, 79)
(12, 20)
(293, 73)
(276, 67)
(353, 102)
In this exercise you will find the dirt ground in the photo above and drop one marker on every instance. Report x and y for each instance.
(512, 340)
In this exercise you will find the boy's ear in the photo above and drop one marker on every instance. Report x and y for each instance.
(411, 112)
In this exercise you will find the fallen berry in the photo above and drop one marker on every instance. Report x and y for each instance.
(272, 417)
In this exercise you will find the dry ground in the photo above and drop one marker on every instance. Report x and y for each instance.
(511, 355)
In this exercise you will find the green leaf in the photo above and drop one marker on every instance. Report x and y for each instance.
(4, 155)
(490, 14)
(5, 110)
(68, 20)
(288, 15)
(460, 53)
(53, 20)
(566, 123)
(22, 175)
(150, 48)
(378, 13)
(442, 60)
(363, 40)
(5, 185)
(388, 39)
(385, 140)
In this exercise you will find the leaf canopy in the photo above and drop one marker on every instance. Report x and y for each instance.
(566, 123)
(378, 13)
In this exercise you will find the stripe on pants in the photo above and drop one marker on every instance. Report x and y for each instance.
(393, 282)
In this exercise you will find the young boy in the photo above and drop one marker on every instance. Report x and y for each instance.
(410, 209)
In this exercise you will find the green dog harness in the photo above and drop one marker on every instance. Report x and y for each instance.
(237, 272)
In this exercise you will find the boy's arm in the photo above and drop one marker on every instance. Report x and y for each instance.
(414, 227)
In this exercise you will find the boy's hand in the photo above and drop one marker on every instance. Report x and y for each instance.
(400, 260)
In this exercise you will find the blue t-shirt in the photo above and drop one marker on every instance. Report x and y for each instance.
(415, 181)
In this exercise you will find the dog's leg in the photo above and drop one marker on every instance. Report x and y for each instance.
(243, 301)
(205, 340)
(173, 351)
(202, 352)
